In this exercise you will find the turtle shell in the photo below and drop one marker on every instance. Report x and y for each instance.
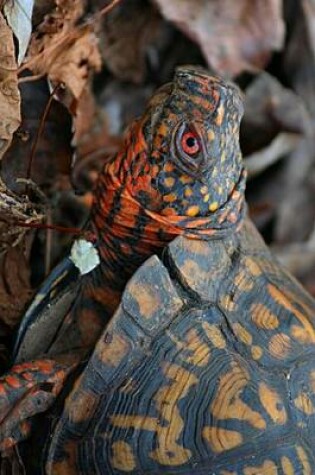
(208, 366)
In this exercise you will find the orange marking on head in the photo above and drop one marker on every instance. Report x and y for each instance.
(192, 211)
(210, 135)
(186, 179)
(220, 112)
(154, 170)
(202, 102)
(188, 192)
(170, 198)
(169, 212)
(213, 206)
(168, 167)
(169, 181)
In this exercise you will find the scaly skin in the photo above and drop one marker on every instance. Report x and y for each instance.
(158, 187)
(179, 172)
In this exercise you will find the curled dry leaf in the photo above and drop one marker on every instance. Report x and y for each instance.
(296, 209)
(233, 36)
(71, 66)
(19, 17)
(309, 14)
(128, 33)
(271, 109)
(15, 288)
(93, 140)
(15, 243)
(63, 51)
(14, 209)
(9, 92)
(299, 258)
(52, 152)
(282, 145)
(299, 56)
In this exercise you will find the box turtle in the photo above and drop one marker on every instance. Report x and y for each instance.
(194, 349)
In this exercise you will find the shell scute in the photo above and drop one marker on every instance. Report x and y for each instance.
(301, 387)
(199, 265)
(271, 321)
(191, 376)
(151, 298)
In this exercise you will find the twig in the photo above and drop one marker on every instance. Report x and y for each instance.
(40, 130)
(35, 77)
(48, 243)
(108, 8)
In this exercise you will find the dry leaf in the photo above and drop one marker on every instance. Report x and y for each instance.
(282, 145)
(299, 57)
(15, 243)
(72, 63)
(53, 151)
(19, 16)
(127, 35)
(9, 92)
(63, 51)
(14, 209)
(309, 14)
(15, 289)
(296, 209)
(271, 109)
(233, 36)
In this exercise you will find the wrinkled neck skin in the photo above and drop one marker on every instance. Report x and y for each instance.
(128, 233)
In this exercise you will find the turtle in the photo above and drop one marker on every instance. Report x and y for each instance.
(197, 347)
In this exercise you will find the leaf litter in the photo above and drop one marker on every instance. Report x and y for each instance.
(96, 63)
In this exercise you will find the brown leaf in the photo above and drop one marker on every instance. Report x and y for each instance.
(15, 289)
(53, 151)
(270, 109)
(9, 92)
(93, 141)
(234, 36)
(15, 244)
(14, 209)
(299, 258)
(299, 57)
(309, 14)
(62, 50)
(73, 61)
(127, 35)
(296, 209)
(282, 145)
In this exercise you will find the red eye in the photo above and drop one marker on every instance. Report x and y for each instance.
(190, 143)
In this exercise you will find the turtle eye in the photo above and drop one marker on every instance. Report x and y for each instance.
(188, 149)
(190, 143)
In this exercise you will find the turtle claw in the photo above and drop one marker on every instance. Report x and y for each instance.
(28, 389)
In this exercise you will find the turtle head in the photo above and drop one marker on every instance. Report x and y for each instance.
(180, 171)
(190, 137)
